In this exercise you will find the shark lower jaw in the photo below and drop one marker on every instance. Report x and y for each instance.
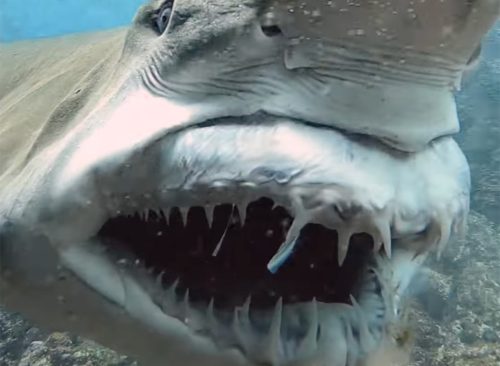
(208, 271)
(284, 243)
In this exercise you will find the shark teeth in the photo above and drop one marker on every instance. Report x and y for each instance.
(279, 342)
(375, 224)
(169, 299)
(242, 326)
(271, 345)
(344, 236)
(309, 343)
(184, 214)
(242, 212)
(329, 210)
(274, 347)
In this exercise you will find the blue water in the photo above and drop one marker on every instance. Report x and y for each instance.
(22, 19)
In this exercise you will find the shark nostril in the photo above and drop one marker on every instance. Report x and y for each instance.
(271, 30)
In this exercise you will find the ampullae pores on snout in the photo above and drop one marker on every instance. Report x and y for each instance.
(234, 182)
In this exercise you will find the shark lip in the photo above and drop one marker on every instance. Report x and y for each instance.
(222, 255)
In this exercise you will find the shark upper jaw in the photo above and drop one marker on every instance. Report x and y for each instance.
(407, 203)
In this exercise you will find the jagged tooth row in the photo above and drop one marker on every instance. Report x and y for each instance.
(238, 209)
(375, 224)
(269, 349)
(378, 225)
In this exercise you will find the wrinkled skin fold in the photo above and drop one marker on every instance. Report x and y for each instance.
(322, 129)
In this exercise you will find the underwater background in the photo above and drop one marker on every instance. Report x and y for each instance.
(46, 18)
(453, 316)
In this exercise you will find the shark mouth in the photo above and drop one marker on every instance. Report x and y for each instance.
(215, 271)
(290, 256)
(223, 254)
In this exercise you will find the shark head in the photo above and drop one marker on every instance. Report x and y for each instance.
(235, 182)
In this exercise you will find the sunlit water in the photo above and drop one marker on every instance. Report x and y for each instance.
(458, 307)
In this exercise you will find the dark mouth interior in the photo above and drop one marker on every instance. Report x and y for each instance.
(186, 253)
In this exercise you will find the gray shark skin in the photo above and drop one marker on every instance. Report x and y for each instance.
(141, 170)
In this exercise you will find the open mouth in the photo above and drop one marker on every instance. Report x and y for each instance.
(212, 268)
(222, 255)
(283, 254)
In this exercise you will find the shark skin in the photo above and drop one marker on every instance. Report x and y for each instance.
(198, 115)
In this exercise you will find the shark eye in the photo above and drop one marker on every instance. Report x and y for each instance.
(162, 16)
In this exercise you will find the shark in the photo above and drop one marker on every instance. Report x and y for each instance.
(235, 182)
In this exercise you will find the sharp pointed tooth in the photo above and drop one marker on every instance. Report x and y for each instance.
(234, 217)
(376, 237)
(186, 306)
(241, 326)
(212, 321)
(344, 236)
(245, 312)
(210, 215)
(242, 211)
(272, 343)
(242, 337)
(184, 214)
(171, 292)
(146, 215)
(159, 280)
(309, 342)
(384, 234)
(209, 212)
(286, 249)
(169, 300)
